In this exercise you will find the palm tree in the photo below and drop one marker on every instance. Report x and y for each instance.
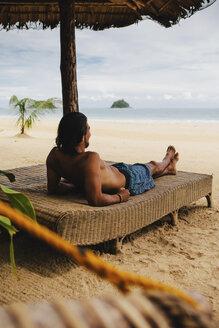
(30, 110)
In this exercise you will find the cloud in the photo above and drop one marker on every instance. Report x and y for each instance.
(168, 97)
(188, 95)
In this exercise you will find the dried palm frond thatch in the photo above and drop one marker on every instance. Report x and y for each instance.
(96, 14)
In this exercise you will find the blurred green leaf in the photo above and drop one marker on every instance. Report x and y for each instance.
(10, 176)
(12, 258)
(20, 201)
(6, 223)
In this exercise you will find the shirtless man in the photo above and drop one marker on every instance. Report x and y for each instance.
(84, 170)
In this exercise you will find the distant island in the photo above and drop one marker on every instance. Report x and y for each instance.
(121, 103)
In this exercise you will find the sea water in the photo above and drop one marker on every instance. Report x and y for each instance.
(166, 115)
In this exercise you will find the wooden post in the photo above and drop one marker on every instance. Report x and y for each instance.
(174, 217)
(209, 200)
(68, 56)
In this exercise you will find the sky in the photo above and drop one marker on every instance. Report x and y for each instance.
(146, 64)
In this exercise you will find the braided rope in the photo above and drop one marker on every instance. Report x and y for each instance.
(121, 279)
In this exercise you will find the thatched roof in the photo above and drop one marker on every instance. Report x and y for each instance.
(96, 14)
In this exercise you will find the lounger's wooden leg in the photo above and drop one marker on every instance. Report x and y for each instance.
(174, 217)
(209, 200)
(116, 245)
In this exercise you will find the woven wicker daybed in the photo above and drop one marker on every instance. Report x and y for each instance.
(72, 218)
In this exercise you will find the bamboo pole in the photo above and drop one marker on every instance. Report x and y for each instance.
(68, 56)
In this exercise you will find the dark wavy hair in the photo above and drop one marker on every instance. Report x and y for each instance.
(71, 129)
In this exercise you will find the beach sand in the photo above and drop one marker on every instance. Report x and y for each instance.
(184, 256)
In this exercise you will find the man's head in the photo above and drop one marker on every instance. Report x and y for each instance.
(73, 129)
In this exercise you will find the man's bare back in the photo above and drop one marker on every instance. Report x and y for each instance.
(75, 168)
(102, 184)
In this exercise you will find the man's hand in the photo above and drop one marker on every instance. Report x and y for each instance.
(125, 194)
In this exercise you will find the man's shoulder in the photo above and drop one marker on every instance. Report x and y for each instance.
(91, 158)
(51, 156)
(92, 155)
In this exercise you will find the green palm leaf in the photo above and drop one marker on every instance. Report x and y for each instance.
(13, 100)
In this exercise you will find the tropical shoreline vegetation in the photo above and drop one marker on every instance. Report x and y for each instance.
(29, 110)
(121, 103)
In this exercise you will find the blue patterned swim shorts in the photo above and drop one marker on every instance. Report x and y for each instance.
(138, 177)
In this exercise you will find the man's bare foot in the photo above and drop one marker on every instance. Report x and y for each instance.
(166, 166)
(171, 151)
(171, 169)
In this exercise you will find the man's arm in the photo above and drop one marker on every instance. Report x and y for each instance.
(93, 187)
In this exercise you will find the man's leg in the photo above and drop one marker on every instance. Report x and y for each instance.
(167, 166)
